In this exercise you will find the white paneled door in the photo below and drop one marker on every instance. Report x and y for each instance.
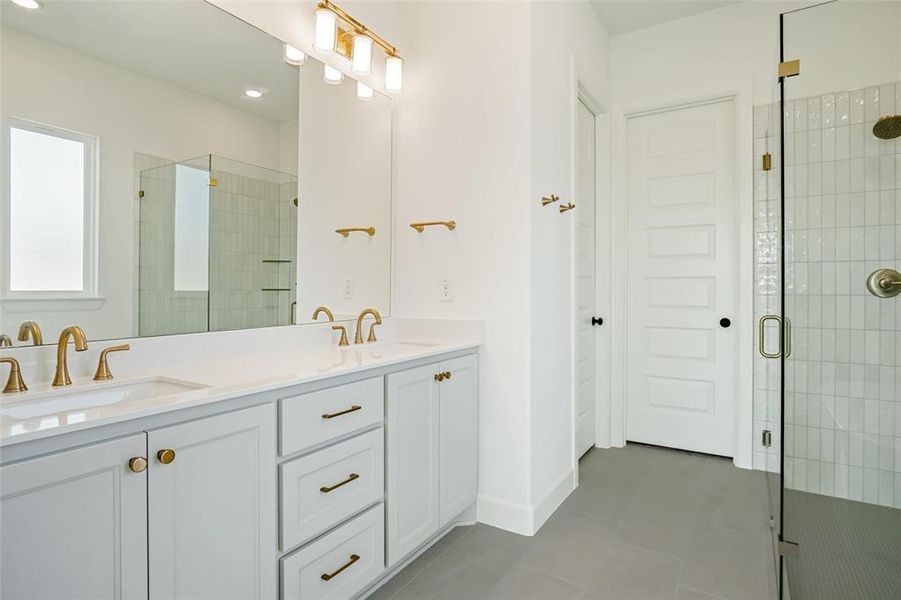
(682, 201)
(586, 365)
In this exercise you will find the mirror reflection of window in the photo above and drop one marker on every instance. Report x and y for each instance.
(192, 229)
(50, 205)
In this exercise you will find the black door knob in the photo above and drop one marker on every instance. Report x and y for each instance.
(725, 322)
(597, 321)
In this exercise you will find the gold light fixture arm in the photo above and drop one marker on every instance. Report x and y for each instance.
(33, 330)
(420, 227)
(359, 27)
(345, 232)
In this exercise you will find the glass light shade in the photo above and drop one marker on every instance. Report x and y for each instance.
(394, 73)
(253, 93)
(362, 55)
(364, 92)
(326, 30)
(331, 75)
(294, 56)
(30, 4)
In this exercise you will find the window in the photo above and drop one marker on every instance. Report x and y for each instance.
(51, 211)
(192, 229)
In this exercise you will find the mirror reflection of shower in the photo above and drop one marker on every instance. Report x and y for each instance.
(888, 127)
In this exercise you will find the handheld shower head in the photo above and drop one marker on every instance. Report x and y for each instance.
(888, 127)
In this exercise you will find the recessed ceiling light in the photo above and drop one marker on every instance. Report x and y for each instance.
(30, 4)
(252, 93)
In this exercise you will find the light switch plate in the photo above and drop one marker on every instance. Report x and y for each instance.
(348, 292)
(445, 290)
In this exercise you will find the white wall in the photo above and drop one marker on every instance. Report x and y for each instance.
(345, 181)
(134, 113)
(568, 46)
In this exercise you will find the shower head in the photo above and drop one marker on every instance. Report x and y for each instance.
(888, 127)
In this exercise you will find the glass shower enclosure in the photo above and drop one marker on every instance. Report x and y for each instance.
(217, 247)
(833, 336)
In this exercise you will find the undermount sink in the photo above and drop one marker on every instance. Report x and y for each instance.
(93, 395)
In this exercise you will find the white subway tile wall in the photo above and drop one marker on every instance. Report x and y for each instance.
(842, 221)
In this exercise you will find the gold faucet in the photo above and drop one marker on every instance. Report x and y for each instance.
(343, 330)
(31, 329)
(103, 373)
(358, 338)
(62, 364)
(326, 310)
(5, 340)
(14, 383)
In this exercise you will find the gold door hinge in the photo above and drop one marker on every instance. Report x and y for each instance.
(141, 194)
(767, 438)
(767, 162)
(790, 68)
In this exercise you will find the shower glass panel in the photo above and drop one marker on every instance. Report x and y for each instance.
(217, 246)
(841, 353)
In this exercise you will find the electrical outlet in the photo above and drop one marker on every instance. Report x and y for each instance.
(348, 293)
(445, 290)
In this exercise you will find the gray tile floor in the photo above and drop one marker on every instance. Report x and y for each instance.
(645, 523)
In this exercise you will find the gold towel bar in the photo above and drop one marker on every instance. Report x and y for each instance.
(420, 227)
(347, 230)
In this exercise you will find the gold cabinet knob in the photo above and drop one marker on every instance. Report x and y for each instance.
(447, 374)
(166, 455)
(138, 464)
(439, 376)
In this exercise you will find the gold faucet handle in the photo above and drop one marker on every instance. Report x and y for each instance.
(15, 383)
(371, 337)
(5, 340)
(343, 330)
(103, 373)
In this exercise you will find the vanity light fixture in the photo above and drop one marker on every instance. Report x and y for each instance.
(364, 92)
(326, 34)
(253, 93)
(331, 75)
(29, 4)
(293, 56)
(354, 41)
(362, 54)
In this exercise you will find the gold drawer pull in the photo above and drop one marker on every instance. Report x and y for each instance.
(343, 412)
(328, 488)
(328, 576)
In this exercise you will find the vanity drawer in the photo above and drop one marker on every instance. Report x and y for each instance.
(322, 489)
(311, 419)
(340, 564)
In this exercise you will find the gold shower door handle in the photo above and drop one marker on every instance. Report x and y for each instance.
(785, 336)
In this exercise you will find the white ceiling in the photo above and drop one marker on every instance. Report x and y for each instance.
(622, 16)
(190, 44)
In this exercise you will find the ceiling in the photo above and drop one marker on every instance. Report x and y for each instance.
(623, 16)
(190, 44)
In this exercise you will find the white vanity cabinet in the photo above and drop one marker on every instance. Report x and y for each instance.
(74, 524)
(431, 448)
(212, 509)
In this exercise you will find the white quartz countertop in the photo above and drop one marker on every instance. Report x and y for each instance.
(44, 411)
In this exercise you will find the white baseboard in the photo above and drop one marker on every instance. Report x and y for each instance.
(552, 500)
(505, 515)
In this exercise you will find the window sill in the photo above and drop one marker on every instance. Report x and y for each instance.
(48, 304)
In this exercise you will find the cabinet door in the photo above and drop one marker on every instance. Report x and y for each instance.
(411, 446)
(74, 524)
(213, 508)
(459, 435)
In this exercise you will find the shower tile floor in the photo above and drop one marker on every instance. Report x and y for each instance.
(646, 523)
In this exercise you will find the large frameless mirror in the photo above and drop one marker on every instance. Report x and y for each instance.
(166, 170)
